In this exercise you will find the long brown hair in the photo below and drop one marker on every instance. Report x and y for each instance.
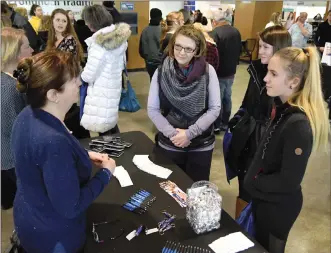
(69, 31)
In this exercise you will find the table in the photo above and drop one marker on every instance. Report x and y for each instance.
(107, 207)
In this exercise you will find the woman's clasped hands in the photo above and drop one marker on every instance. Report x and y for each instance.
(180, 139)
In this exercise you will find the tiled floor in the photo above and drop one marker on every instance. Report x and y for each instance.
(311, 232)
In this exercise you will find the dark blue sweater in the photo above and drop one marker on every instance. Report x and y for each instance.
(54, 188)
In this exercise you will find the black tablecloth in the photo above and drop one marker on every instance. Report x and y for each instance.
(107, 207)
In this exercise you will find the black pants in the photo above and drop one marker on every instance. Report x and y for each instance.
(195, 164)
(8, 188)
(151, 68)
(273, 221)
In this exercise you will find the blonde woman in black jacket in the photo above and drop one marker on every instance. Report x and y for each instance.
(298, 127)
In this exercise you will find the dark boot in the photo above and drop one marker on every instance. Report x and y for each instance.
(276, 245)
(240, 205)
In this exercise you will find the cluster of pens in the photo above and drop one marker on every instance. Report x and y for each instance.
(167, 223)
(172, 247)
(139, 202)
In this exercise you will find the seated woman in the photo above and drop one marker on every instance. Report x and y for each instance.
(184, 102)
(54, 187)
(62, 35)
(14, 47)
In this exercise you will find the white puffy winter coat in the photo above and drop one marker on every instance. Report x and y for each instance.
(103, 73)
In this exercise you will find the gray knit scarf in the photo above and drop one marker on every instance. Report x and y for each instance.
(186, 93)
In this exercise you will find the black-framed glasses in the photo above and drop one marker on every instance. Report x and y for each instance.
(188, 50)
(96, 235)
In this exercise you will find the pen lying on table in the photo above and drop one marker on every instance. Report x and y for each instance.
(173, 247)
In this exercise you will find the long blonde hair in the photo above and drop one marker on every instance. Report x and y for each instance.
(201, 28)
(171, 24)
(22, 11)
(11, 42)
(305, 64)
(46, 23)
(275, 18)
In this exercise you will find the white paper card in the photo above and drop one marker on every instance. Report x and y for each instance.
(151, 231)
(143, 163)
(231, 243)
(326, 58)
(131, 235)
(123, 176)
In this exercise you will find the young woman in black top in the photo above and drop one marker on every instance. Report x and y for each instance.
(254, 111)
(298, 127)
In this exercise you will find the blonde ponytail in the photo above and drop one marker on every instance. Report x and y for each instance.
(305, 64)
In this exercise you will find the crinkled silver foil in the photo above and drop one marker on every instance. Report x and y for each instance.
(204, 207)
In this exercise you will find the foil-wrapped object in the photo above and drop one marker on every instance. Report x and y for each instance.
(204, 207)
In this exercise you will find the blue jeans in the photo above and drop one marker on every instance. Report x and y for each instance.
(226, 92)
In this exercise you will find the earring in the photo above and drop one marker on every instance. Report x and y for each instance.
(56, 101)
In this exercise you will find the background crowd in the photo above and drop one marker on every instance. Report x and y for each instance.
(47, 61)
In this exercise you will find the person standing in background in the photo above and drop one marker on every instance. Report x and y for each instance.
(174, 20)
(323, 33)
(149, 46)
(110, 7)
(275, 19)
(62, 35)
(228, 41)
(20, 22)
(212, 52)
(14, 47)
(186, 15)
(103, 71)
(36, 13)
(301, 31)
(290, 20)
(22, 11)
(71, 17)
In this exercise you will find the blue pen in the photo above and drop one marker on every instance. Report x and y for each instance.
(165, 247)
(145, 193)
(138, 197)
(169, 248)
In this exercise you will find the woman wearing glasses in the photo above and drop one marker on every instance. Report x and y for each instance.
(184, 102)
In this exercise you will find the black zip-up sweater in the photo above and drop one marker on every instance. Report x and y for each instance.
(281, 159)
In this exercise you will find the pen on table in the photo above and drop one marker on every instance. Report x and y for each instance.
(177, 248)
(191, 249)
(165, 247)
(172, 248)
